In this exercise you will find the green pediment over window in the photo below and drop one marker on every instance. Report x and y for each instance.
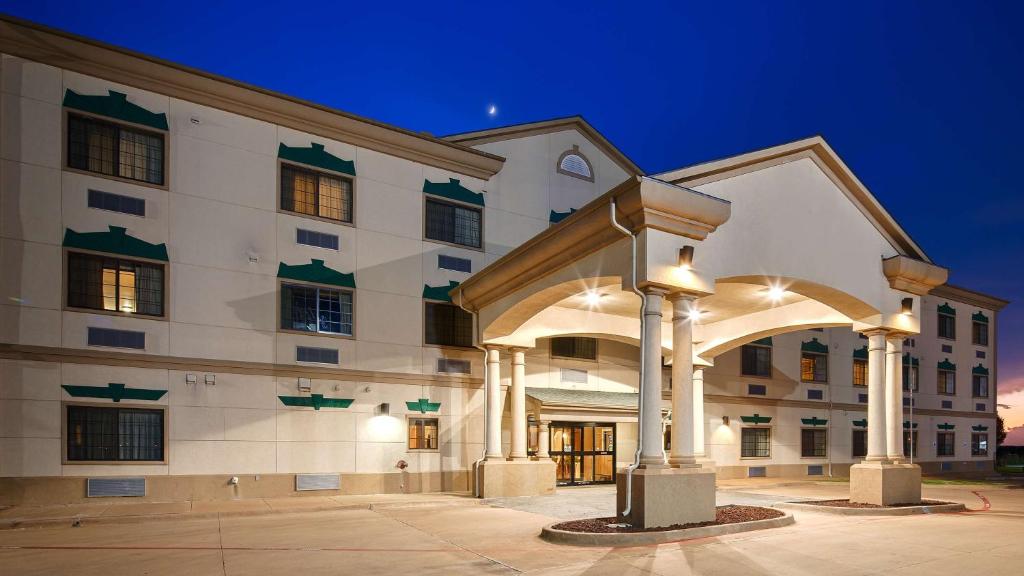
(979, 369)
(316, 401)
(863, 423)
(861, 353)
(907, 424)
(979, 428)
(452, 190)
(756, 419)
(947, 309)
(115, 392)
(910, 360)
(766, 341)
(815, 421)
(557, 217)
(947, 365)
(115, 241)
(439, 292)
(423, 406)
(316, 272)
(115, 105)
(946, 426)
(979, 317)
(814, 346)
(315, 155)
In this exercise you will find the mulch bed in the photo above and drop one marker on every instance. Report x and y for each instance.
(723, 515)
(847, 504)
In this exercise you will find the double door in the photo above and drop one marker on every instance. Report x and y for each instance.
(584, 453)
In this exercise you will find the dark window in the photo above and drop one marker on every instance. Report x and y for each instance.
(423, 433)
(945, 444)
(115, 150)
(979, 385)
(316, 194)
(453, 223)
(101, 433)
(112, 338)
(979, 333)
(859, 446)
(979, 444)
(813, 443)
(453, 263)
(574, 347)
(117, 203)
(860, 372)
(815, 394)
(318, 239)
(318, 355)
(909, 441)
(756, 360)
(910, 379)
(813, 367)
(757, 389)
(447, 325)
(314, 309)
(947, 382)
(947, 326)
(109, 283)
(755, 442)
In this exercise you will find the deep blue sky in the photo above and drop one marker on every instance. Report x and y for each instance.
(924, 100)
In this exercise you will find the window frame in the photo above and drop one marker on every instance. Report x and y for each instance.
(952, 444)
(853, 442)
(910, 369)
(938, 326)
(64, 432)
(974, 333)
(938, 382)
(410, 422)
(756, 346)
(814, 432)
(976, 449)
(551, 349)
(974, 386)
(910, 438)
(423, 323)
(853, 377)
(756, 457)
(65, 252)
(814, 357)
(456, 203)
(318, 171)
(282, 282)
(66, 156)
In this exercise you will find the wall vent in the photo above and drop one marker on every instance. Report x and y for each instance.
(947, 348)
(815, 470)
(117, 203)
(862, 398)
(452, 366)
(757, 389)
(105, 487)
(317, 239)
(111, 338)
(305, 482)
(947, 404)
(757, 472)
(454, 263)
(979, 407)
(947, 466)
(815, 395)
(573, 376)
(318, 355)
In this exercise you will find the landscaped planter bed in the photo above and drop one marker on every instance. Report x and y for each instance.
(845, 507)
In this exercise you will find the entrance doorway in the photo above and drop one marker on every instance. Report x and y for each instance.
(584, 453)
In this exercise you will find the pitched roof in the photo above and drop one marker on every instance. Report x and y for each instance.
(566, 397)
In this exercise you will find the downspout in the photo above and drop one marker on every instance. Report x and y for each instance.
(483, 453)
(639, 405)
(828, 431)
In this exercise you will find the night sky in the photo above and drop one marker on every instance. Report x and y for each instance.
(923, 100)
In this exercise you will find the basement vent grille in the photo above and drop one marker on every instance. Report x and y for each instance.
(947, 466)
(815, 470)
(102, 487)
(317, 482)
(451, 366)
(757, 472)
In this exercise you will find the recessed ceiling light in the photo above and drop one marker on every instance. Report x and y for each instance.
(593, 298)
(776, 293)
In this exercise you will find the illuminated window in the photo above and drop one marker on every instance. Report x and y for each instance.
(979, 444)
(574, 163)
(813, 367)
(316, 194)
(114, 284)
(860, 372)
(423, 433)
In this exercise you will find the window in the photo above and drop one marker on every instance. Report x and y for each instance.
(947, 381)
(99, 433)
(574, 163)
(317, 355)
(755, 442)
(979, 444)
(947, 326)
(315, 309)
(860, 372)
(945, 444)
(115, 150)
(910, 377)
(756, 360)
(910, 442)
(423, 433)
(115, 284)
(979, 333)
(813, 367)
(454, 263)
(447, 325)
(453, 223)
(979, 385)
(117, 203)
(316, 194)
(859, 445)
(813, 443)
(317, 239)
(574, 347)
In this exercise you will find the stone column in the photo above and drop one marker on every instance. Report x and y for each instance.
(698, 412)
(682, 382)
(876, 396)
(518, 394)
(652, 453)
(894, 398)
(543, 440)
(494, 408)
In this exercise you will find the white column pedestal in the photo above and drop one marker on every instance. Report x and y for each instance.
(494, 408)
(518, 393)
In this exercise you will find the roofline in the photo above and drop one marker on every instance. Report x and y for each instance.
(826, 157)
(61, 49)
(968, 296)
(522, 130)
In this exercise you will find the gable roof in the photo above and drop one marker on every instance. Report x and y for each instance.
(514, 131)
(830, 163)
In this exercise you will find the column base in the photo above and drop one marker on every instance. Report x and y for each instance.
(884, 484)
(667, 496)
(499, 478)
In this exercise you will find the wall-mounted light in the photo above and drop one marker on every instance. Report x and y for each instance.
(191, 379)
(907, 306)
(382, 409)
(211, 379)
(304, 385)
(686, 257)
(725, 420)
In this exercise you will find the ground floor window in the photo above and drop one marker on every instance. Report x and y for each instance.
(813, 443)
(860, 443)
(755, 443)
(910, 443)
(423, 433)
(99, 433)
(979, 444)
(945, 444)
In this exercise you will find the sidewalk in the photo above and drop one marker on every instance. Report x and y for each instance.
(107, 511)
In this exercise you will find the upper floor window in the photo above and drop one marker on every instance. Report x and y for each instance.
(813, 367)
(453, 223)
(115, 150)
(574, 163)
(116, 284)
(947, 322)
(447, 325)
(574, 347)
(979, 330)
(860, 372)
(979, 385)
(947, 381)
(756, 360)
(316, 309)
(316, 193)
(910, 377)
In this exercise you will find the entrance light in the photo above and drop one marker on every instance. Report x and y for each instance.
(907, 306)
(686, 257)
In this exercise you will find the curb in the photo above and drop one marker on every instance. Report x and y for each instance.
(937, 508)
(645, 538)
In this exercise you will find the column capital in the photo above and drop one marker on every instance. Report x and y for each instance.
(494, 347)
(897, 336)
(651, 290)
(684, 296)
(876, 332)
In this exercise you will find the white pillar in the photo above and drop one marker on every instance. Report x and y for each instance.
(682, 382)
(543, 440)
(652, 453)
(698, 412)
(518, 394)
(494, 408)
(894, 398)
(876, 395)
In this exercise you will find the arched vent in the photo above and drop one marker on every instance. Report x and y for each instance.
(574, 163)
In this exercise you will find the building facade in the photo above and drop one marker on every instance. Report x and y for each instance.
(214, 291)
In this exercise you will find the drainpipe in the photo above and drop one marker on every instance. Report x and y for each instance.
(828, 431)
(483, 453)
(639, 405)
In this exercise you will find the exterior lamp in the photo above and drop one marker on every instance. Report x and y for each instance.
(907, 306)
(725, 420)
(686, 257)
(383, 409)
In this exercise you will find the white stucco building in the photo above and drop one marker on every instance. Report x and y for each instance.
(203, 280)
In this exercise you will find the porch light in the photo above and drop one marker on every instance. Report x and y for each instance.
(695, 314)
(725, 420)
(593, 298)
(686, 257)
(907, 306)
(383, 409)
(776, 293)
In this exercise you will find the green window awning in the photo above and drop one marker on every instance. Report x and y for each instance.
(423, 406)
(814, 421)
(979, 369)
(316, 401)
(115, 105)
(946, 426)
(862, 423)
(116, 240)
(861, 353)
(317, 273)
(908, 424)
(814, 347)
(453, 190)
(979, 428)
(947, 365)
(315, 155)
(979, 317)
(115, 392)
(766, 341)
(557, 217)
(439, 292)
(756, 419)
(910, 360)
(947, 309)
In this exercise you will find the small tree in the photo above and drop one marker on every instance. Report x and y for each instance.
(1000, 431)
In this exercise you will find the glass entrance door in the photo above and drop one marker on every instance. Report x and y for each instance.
(584, 453)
